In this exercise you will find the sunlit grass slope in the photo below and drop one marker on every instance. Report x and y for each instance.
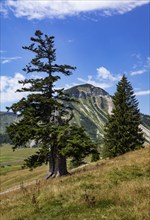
(11, 170)
(116, 189)
(13, 160)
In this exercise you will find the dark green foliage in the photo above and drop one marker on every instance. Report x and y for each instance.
(43, 107)
(45, 114)
(4, 139)
(69, 141)
(122, 132)
(78, 144)
(95, 157)
(37, 159)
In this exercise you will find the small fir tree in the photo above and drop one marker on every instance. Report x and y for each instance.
(122, 132)
(44, 114)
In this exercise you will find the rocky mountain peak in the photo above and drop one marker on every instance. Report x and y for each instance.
(86, 90)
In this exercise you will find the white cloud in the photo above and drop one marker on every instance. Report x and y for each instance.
(5, 61)
(138, 72)
(60, 9)
(9, 85)
(141, 66)
(134, 66)
(95, 83)
(104, 79)
(2, 51)
(137, 56)
(3, 9)
(9, 59)
(70, 41)
(138, 59)
(105, 74)
(148, 62)
(141, 93)
(137, 89)
(85, 18)
(39, 76)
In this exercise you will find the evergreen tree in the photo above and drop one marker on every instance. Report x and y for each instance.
(45, 114)
(122, 132)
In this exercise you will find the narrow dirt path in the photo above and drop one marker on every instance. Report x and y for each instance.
(18, 187)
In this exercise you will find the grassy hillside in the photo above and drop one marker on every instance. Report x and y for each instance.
(12, 160)
(116, 189)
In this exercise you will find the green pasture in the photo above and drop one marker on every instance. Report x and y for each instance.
(13, 160)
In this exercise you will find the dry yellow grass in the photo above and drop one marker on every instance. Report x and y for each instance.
(18, 177)
(116, 189)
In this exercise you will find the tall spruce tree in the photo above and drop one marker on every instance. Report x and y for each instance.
(122, 132)
(45, 114)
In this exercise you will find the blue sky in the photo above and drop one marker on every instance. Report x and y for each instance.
(103, 39)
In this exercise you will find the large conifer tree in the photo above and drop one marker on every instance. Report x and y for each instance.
(44, 118)
(122, 132)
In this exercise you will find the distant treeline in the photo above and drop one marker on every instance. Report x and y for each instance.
(4, 139)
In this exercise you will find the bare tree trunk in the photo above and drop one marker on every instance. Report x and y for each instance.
(51, 166)
(57, 166)
(61, 168)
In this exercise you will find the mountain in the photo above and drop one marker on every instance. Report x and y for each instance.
(91, 110)
(94, 104)
(6, 118)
